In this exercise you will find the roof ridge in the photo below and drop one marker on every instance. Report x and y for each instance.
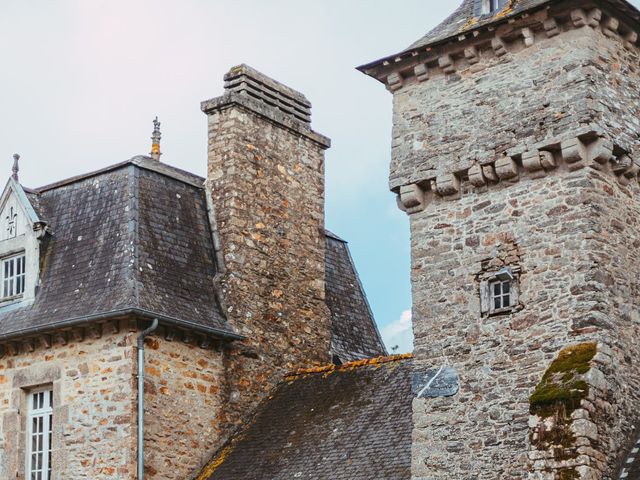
(348, 366)
(140, 161)
(133, 229)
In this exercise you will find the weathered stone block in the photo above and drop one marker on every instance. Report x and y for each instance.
(471, 54)
(412, 198)
(476, 177)
(489, 172)
(551, 27)
(531, 161)
(447, 64)
(579, 17)
(447, 184)
(421, 72)
(630, 39)
(600, 153)
(499, 46)
(594, 17)
(394, 82)
(610, 27)
(574, 153)
(506, 168)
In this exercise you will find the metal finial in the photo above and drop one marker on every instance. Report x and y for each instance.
(155, 140)
(16, 167)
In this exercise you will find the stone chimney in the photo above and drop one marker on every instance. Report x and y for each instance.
(266, 185)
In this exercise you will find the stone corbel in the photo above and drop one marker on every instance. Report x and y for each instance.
(499, 47)
(621, 164)
(630, 39)
(630, 174)
(476, 177)
(506, 168)
(412, 198)
(471, 54)
(447, 184)
(489, 173)
(394, 81)
(594, 17)
(574, 153)
(529, 38)
(538, 162)
(599, 153)
(610, 27)
(421, 71)
(551, 27)
(447, 64)
(579, 17)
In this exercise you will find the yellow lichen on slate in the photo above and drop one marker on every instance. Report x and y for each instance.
(329, 369)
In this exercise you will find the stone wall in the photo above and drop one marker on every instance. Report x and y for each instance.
(182, 404)
(266, 181)
(517, 150)
(94, 405)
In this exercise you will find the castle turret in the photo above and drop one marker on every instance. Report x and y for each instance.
(515, 154)
(266, 185)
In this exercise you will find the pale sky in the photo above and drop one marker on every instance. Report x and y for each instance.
(83, 79)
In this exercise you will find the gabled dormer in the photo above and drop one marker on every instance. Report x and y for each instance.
(21, 231)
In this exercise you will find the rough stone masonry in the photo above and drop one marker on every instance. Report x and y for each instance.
(266, 182)
(515, 144)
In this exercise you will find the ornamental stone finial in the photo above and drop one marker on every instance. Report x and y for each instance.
(155, 140)
(16, 167)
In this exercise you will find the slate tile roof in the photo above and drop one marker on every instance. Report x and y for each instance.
(123, 238)
(134, 238)
(467, 17)
(354, 332)
(352, 422)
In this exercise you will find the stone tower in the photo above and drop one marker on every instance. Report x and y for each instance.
(515, 154)
(266, 185)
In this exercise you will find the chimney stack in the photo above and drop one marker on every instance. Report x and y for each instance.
(265, 181)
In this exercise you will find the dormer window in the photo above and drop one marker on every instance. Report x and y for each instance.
(489, 7)
(21, 235)
(13, 276)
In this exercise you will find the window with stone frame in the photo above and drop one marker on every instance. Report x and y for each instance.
(499, 291)
(13, 271)
(39, 434)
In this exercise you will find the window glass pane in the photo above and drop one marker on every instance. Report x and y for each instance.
(40, 435)
(506, 287)
(496, 289)
(14, 276)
